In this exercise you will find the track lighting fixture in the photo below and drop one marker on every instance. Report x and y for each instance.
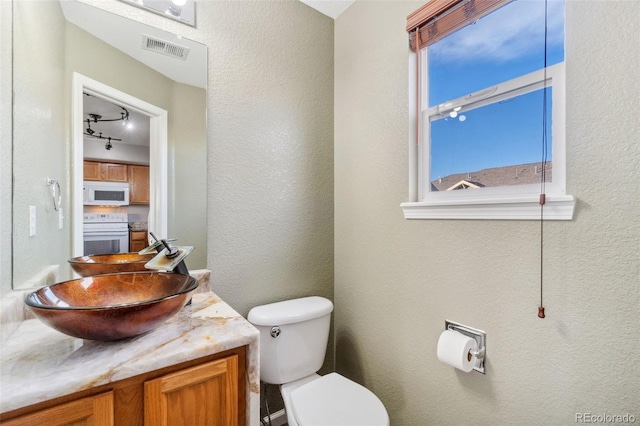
(96, 118)
(107, 145)
(126, 123)
(124, 117)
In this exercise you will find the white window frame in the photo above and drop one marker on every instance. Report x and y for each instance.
(519, 202)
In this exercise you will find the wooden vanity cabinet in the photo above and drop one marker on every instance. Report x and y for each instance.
(209, 391)
(106, 172)
(206, 394)
(90, 411)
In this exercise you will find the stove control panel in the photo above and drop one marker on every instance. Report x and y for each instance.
(105, 217)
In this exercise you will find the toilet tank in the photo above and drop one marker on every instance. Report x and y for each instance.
(301, 330)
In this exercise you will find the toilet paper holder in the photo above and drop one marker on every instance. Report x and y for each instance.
(478, 335)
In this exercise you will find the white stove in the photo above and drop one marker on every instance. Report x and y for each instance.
(105, 233)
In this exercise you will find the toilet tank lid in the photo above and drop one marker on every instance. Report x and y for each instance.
(290, 311)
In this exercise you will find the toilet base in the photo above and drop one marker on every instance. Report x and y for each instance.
(279, 418)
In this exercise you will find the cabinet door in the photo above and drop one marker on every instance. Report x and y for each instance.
(137, 240)
(138, 184)
(204, 395)
(91, 411)
(112, 172)
(92, 171)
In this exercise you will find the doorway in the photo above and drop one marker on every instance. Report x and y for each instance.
(158, 136)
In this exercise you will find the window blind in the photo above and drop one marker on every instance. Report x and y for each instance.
(439, 18)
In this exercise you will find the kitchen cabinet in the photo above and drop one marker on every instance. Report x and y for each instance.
(107, 172)
(94, 410)
(137, 240)
(136, 175)
(138, 184)
(92, 171)
(209, 391)
(112, 172)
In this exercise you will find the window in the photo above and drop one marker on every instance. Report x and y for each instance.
(489, 114)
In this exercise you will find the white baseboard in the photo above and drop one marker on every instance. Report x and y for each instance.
(279, 418)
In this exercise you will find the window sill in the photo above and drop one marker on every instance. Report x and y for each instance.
(558, 207)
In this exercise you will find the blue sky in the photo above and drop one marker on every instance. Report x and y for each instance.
(501, 46)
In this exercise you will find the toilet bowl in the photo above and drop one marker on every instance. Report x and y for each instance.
(335, 400)
(293, 342)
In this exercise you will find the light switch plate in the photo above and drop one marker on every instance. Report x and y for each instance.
(32, 221)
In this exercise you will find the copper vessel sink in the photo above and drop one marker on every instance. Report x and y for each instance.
(114, 306)
(98, 264)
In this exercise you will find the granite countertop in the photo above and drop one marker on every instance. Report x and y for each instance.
(39, 363)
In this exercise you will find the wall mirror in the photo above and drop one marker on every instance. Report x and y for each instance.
(73, 62)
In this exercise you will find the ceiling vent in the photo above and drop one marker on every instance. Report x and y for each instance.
(164, 47)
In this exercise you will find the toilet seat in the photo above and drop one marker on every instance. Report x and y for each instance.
(334, 400)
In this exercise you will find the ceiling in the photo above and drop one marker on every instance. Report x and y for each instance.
(138, 134)
(331, 8)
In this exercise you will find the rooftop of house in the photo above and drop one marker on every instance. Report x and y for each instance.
(520, 174)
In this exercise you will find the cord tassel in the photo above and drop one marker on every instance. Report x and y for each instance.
(543, 175)
(418, 89)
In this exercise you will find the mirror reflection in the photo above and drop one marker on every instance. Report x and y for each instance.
(180, 10)
(55, 41)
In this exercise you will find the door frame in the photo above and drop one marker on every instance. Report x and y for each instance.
(158, 154)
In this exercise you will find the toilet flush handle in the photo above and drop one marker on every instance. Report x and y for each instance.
(275, 331)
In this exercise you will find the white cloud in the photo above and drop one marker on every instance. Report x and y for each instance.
(510, 32)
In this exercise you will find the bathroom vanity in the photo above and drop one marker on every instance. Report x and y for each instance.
(201, 363)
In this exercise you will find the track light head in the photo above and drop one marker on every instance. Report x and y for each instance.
(95, 117)
(89, 130)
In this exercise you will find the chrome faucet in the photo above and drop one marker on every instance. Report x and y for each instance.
(172, 258)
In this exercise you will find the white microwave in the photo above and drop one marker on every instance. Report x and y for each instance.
(105, 193)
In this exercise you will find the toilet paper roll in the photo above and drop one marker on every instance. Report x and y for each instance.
(454, 349)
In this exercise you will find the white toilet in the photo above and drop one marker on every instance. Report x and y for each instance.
(293, 342)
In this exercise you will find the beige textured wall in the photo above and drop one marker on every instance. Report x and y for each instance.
(40, 126)
(5, 146)
(396, 281)
(270, 222)
(270, 168)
